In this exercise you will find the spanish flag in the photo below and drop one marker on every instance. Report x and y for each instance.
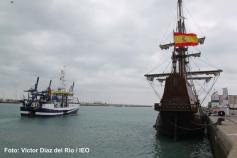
(185, 39)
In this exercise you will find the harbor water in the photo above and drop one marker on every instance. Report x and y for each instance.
(104, 132)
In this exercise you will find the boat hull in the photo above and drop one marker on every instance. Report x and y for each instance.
(181, 124)
(46, 111)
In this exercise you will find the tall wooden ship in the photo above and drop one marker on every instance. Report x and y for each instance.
(180, 112)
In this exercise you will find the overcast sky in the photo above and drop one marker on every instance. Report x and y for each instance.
(107, 46)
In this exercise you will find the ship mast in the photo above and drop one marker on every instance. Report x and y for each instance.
(180, 55)
(181, 50)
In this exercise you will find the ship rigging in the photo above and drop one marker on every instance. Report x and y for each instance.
(180, 112)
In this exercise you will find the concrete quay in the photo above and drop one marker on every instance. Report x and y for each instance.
(223, 137)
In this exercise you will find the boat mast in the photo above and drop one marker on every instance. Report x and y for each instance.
(181, 50)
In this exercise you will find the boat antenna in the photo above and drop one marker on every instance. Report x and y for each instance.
(72, 87)
(62, 79)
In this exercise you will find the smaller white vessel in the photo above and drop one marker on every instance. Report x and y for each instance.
(50, 102)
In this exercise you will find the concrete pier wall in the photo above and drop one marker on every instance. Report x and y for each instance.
(223, 138)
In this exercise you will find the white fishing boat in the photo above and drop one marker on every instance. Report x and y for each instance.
(50, 102)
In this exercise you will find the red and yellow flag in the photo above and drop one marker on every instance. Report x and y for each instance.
(185, 39)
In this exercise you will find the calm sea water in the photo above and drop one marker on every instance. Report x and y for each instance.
(109, 132)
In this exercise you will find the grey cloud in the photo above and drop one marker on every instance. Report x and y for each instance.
(106, 45)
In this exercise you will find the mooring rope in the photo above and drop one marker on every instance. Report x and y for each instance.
(193, 129)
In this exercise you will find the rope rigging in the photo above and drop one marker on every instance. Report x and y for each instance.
(155, 91)
(215, 80)
(204, 86)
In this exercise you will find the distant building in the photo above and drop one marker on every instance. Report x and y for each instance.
(223, 99)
